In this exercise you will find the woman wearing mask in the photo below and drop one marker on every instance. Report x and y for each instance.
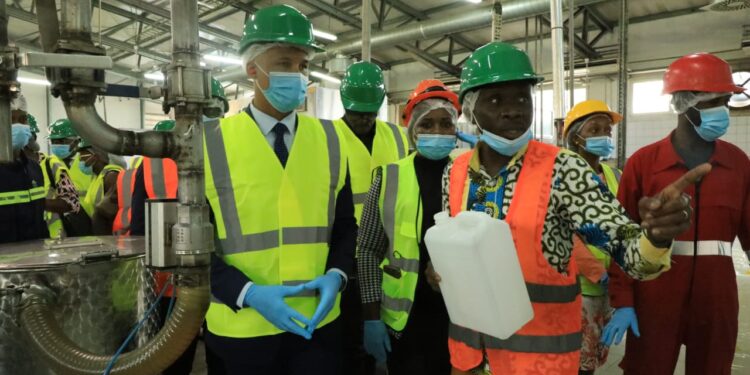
(100, 202)
(588, 132)
(397, 300)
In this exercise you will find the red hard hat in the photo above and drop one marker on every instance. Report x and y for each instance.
(699, 72)
(429, 88)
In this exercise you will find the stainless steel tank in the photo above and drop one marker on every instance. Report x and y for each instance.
(99, 285)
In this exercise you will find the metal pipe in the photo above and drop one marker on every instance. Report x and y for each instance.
(91, 127)
(571, 51)
(366, 12)
(558, 105)
(472, 20)
(622, 102)
(76, 19)
(6, 145)
(49, 26)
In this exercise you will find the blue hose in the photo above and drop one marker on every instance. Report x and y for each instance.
(137, 328)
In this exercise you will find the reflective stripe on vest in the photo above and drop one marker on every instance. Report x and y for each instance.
(552, 338)
(95, 194)
(388, 146)
(80, 180)
(401, 213)
(160, 178)
(273, 223)
(588, 288)
(702, 248)
(22, 196)
(125, 187)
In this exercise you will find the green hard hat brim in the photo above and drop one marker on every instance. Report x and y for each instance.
(473, 84)
(366, 107)
(293, 42)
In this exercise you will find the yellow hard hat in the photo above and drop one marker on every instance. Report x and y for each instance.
(586, 108)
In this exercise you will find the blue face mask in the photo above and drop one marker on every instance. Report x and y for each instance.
(504, 146)
(61, 151)
(286, 91)
(435, 146)
(85, 169)
(600, 146)
(714, 123)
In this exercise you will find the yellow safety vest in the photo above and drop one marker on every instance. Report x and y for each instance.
(135, 162)
(612, 178)
(57, 167)
(273, 223)
(80, 179)
(401, 213)
(95, 193)
(389, 146)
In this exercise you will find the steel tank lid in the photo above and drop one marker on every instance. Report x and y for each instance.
(57, 252)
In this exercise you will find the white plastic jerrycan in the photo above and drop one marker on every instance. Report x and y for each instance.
(481, 279)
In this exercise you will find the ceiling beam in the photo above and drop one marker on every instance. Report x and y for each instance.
(164, 13)
(421, 16)
(578, 43)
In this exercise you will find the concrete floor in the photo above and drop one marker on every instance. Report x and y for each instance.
(741, 365)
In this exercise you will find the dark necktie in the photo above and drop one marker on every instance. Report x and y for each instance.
(279, 147)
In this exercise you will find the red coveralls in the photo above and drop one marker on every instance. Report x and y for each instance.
(695, 303)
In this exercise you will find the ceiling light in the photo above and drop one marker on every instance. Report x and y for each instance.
(324, 35)
(224, 59)
(325, 77)
(474, 1)
(203, 63)
(34, 81)
(156, 76)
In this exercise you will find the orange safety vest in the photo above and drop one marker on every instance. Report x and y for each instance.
(160, 178)
(125, 186)
(551, 341)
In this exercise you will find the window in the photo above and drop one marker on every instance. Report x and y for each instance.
(543, 112)
(647, 97)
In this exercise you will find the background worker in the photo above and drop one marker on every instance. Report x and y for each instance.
(21, 193)
(400, 207)
(371, 143)
(60, 193)
(278, 186)
(547, 196)
(64, 144)
(588, 132)
(694, 304)
(100, 202)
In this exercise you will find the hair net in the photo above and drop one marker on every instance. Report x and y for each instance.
(19, 103)
(255, 50)
(426, 106)
(467, 108)
(683, 100)
(572, 133)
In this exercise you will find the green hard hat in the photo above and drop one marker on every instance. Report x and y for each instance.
(31, 120)
(494, 63)
(82, 144)
(362, 88)
(61, 129)
(281, 24)
(164, 126)
(217, 91)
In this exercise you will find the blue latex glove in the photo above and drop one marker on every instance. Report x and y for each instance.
(468, 138)
(328, 287)
(21, 135)
(623, 319)
(269, 302)
(377, 342)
